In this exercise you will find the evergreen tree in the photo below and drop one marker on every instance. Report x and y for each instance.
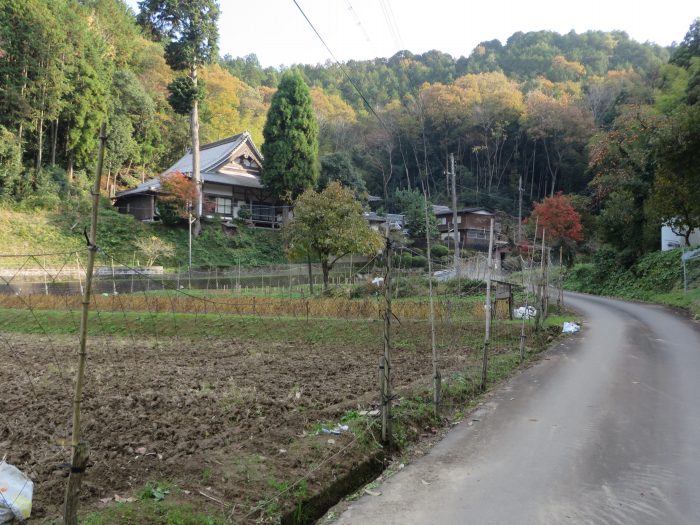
(338, 167)
(191, 30)
(291, 140)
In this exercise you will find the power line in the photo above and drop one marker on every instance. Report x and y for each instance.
(396, 25)
(342, 68)
(391, 23)
(359, 22)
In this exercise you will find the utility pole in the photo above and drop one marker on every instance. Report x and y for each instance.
(520, 209)
(487, 311)
(455, 229)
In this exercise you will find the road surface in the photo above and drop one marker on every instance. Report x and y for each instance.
(606, 430)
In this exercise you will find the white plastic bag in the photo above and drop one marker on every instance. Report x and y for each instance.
(570, 328)
(15, 494)
(524, 313)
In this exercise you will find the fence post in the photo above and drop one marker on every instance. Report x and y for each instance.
(77, 470)
(487, 332)
(80, 453)
(541, 289)
(114, 283)
(437, 380)
(382, 390)
(386, 366)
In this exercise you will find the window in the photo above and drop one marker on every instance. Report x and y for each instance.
(223, 206)
(443, 221)
(263, 213)
(476, 234)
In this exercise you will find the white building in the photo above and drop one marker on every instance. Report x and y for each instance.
(670, 240)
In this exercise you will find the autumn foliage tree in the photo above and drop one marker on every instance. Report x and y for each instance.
(560, 223)
(328, 225)
(178, 192)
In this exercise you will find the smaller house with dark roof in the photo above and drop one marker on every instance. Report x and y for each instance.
(230, 170)
(473, 226)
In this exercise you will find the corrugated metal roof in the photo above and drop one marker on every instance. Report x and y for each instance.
(149, 185)
(440, 209)
(444, 210)
(393, 217)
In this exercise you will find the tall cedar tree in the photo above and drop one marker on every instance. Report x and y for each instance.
(291, 140)
(190, 25)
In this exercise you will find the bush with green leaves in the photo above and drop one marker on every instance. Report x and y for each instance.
(466, 287)
(419, 261)
(439, 251)
(656, 272)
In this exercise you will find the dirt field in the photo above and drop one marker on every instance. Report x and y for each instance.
(234, 420)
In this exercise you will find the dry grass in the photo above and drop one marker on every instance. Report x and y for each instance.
(175, 302)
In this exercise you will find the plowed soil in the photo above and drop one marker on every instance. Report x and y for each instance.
(233, 420)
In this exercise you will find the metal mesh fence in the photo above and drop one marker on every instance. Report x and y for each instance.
(251, 396)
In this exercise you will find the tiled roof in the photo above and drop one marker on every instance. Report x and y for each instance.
(211, 157)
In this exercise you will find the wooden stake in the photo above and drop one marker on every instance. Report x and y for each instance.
(539, 316)
(79, 458)
(386, 383)
(437, 382)
(527, 295)
(78, 464)
(487, 332)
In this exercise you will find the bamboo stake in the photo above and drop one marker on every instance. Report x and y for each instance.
(541, 288)
(487, 332)
(527, 295)
(385, 384)
(437, 381)
(80, 453)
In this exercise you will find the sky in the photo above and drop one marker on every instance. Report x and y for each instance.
(277, 33)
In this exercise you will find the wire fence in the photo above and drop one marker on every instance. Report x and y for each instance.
(252, 399)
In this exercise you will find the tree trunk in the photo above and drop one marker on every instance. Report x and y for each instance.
(54, 142)
(326, 270)
(311, 275)
(40, 145)
(196, 176)
(40, 130)
(69, 169)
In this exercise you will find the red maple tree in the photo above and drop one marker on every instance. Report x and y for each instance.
(177, 193)
(558, 218)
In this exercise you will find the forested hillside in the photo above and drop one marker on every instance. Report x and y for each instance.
(596, 114)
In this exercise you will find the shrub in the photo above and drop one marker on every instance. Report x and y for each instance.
(406, 287)
(367, 289)
(153, 248)
(419, 261)
(512, 264)
(466, 287)
(439, 251)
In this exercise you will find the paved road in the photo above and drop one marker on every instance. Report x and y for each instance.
(605, 431)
